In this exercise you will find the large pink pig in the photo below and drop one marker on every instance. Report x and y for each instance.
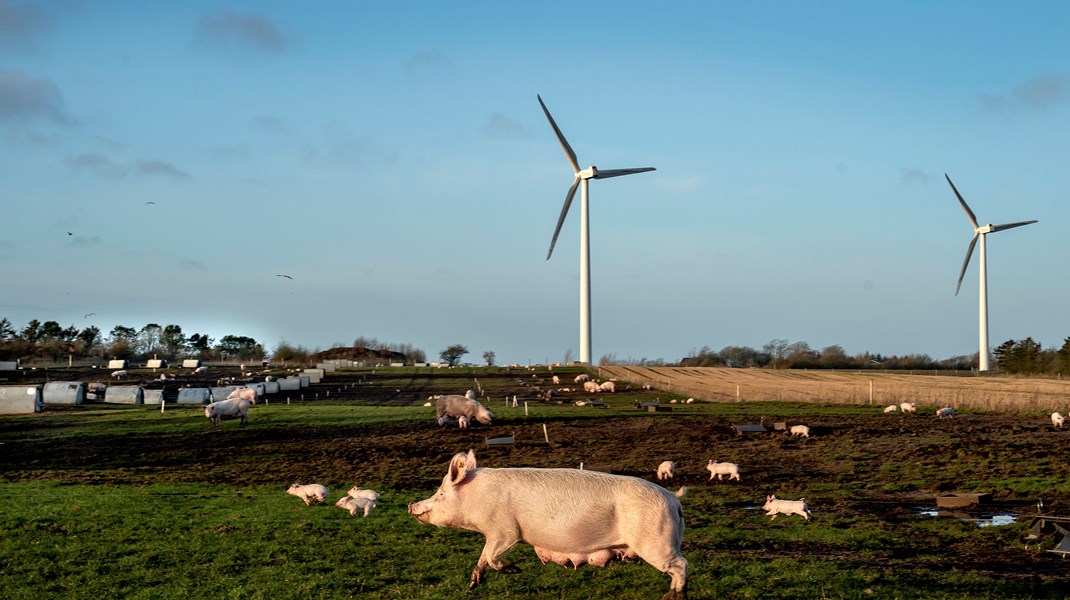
(565, 514)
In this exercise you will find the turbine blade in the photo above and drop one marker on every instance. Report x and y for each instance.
(607, 173)
(969, 213)
(1011, 225)
(564, 212)
(569, 154)
(966, 262)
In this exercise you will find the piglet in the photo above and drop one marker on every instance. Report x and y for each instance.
(774, 507)
(312, 493)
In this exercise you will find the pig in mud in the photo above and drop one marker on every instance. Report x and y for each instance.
(461, 406)
(568, 515)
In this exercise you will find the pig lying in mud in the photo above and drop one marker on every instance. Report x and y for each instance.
(568, 515)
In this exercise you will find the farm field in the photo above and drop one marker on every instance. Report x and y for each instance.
(121, 501)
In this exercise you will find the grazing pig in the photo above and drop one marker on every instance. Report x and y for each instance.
(457, 406)
(947, 411)
(556, 380)
(359, 492)
(774, 507)
(581, 378)
(562, 513)
(462, 422)
(720, 469)
(312, 493)
(891, 408)
(235, 408)
(245, 393)
(200, 370)
(607, 386)
(355, 505)
(666, 470)
(800, 430)
(590, 387)
(1057, 420)
(118, 374)
(909, 407)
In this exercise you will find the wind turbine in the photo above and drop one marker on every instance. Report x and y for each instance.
(582, 177)
(980, 231)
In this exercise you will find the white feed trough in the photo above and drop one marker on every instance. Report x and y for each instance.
(125, 394)
(192, 396)
(20, 399)
(191, 363)
(156, 363)
(116, 364)
(63, 392)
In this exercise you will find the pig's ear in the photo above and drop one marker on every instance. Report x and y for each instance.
(471, 459)
(458, 469)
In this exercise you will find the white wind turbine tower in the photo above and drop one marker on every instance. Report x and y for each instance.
(582, 177)
(980, 231)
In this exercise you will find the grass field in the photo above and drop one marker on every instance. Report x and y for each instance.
(128, 502)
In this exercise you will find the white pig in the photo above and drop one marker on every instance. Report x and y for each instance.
(312, 493)
(1057, 420)
(908, 407)
(236, 408)
(456, 406)
(359, 492)
(720, 469)
(800, 430)
(786, 507)
(355, 505)
(946, 411)
(891, 408)
(666, 470)
(560, 512)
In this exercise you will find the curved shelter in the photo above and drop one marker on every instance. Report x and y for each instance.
(193, 396)
(63, 392)
(152, 396)
(125, 394)
(116, 364)
(20, 399)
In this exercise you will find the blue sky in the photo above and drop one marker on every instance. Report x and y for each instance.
(393, 159)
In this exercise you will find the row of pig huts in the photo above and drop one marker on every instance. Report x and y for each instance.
(26, 399)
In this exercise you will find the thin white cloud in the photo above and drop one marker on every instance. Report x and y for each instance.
(192, 265)
(226, 30)
(96, 164)
(1039, 93)
(24, 98)
(342, 148)
(269, 124)
(499, 125)
(429, 64)
(914, 175)
(158, 167)
(22, 26)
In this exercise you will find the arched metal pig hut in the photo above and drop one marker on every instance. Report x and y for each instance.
(193, 396)
(20, 399)
(63, 392)
(125, 394)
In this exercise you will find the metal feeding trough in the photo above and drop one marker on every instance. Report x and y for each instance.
(963, 500)
(1045, 525)
(499, 441)
(750, 428)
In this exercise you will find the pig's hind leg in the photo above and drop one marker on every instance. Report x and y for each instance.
(492, 551)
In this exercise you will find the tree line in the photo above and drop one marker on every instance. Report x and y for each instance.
(51, 340)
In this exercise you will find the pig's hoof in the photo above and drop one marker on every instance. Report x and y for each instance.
(510, 569)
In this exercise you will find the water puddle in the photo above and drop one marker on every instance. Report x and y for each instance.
(980, 519)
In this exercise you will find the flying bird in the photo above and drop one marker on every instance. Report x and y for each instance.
(69, 233)
(149, 202)
(286, 276)
(87, 315)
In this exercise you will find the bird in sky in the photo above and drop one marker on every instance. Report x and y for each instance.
(87, 315)
(149, 202)
(286, 276)
(69, 233)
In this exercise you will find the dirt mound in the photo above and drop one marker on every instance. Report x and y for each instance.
(360, 353)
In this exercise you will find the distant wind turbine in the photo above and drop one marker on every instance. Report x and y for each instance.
(582, 177)
(980, 231)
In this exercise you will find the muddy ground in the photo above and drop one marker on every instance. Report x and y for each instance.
(895, 465)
